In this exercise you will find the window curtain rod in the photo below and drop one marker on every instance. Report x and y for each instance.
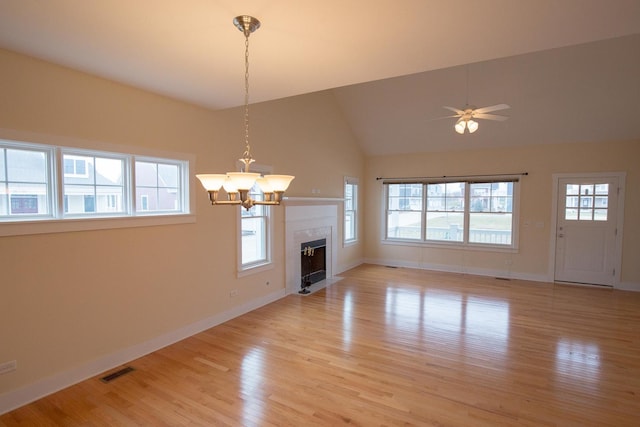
(449, 178)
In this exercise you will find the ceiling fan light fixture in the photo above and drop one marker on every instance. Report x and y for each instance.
(472, 125)
(459, 126)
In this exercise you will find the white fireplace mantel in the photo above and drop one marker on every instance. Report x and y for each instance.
(309, 219)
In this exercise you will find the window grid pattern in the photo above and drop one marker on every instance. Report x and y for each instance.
(350, 210)
(89, 184)
(96, 187)
(254, 224)
(478, 213)
(157, 186)
(25, 183)
(586, 202)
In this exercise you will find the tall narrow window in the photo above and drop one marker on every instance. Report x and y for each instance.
(445, 211)
(25, 183)
(350, 210)
(404, 211)
(491, 210)
(255, 242)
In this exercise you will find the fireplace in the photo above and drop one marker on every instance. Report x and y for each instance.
(313, 263)
(307, 223)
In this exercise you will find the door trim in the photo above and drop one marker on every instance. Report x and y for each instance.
(617, 256)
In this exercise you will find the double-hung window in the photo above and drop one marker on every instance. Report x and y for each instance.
(350, 210)
(255, 232)
(463, 212)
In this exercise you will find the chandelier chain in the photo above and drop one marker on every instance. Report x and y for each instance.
(247, 153)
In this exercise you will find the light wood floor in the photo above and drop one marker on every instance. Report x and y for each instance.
(386, 347)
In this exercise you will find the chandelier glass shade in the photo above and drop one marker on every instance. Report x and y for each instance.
(237, 185)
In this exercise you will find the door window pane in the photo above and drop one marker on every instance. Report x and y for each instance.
(586, 202)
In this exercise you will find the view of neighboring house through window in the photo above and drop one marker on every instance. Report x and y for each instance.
(157, 186)
(25, 182)
(404, 211)
(255, 228)
(350, 210)
(463, 212)
(88, 183)
(93, 184)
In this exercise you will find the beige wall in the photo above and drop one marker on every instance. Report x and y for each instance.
(69, 298)
(541, 162)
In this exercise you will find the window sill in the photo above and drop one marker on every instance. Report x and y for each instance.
(255, 269)
(23, 228)
(452, 245)
(346, 244)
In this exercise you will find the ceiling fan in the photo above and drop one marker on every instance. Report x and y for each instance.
(468, 113)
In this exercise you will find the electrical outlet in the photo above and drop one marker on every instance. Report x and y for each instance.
(7, 367)
(233, 293)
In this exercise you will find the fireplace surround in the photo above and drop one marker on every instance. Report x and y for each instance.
(310, 220)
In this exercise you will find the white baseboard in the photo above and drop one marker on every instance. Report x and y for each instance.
(503, 274)
(628, 286)
(29, 393)
(349, 267)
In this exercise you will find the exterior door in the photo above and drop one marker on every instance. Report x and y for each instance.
(586, 230)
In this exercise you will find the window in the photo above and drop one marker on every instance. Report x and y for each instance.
(255, 231)
(158, 186)
(587, 202)
(460, 213)
(94, 187)
(87, 184)
(25, 182)
(350, 210)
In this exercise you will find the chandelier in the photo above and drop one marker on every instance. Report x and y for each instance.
(238, 184)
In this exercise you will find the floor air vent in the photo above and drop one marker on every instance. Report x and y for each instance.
(117, 374)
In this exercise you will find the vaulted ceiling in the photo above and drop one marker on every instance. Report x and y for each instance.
(569, 69)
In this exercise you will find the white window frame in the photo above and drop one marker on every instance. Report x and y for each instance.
(353, 213)
(51, 201)
(183, 179)
(267, 263)
(56, 222)
(464, 244)
(62, 152)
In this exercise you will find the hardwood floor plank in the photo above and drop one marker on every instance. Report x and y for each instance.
(386, 347)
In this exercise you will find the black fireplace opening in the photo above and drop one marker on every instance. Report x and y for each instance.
(313, 263)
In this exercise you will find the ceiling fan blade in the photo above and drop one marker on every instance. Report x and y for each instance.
(491, 108)
(455, 110)
(490, 117)
(445, 117)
